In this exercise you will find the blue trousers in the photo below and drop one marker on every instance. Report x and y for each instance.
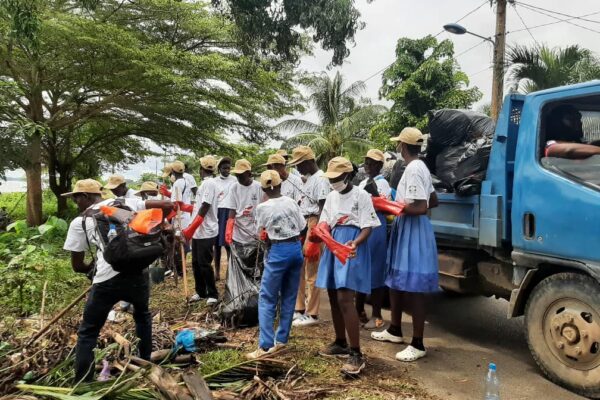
(280, 280)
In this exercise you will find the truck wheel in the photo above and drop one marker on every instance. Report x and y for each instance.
(563, 331)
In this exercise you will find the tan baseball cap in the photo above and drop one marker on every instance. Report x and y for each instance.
(85, 186)
(275, 159)
(337, 166)
(410, 135)
(166, 170)
(147, 187)
(209, 163)
(114, 181)
(241, 166)
(178, 167)
(301, 153)
(376, 155)
(269, 178)
(283, 153)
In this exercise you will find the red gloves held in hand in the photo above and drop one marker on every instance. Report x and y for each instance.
(193, 227)
(229, 231)
(164, 191)
(340, 251)
(185, 207)
(387, 206)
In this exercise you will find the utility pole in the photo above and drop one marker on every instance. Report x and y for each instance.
(498, 61)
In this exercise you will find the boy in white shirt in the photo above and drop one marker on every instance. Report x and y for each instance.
(291, 185)
(117, 185)
(224, 182)
(282, 220)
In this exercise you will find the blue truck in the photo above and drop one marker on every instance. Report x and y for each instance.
(532, 236)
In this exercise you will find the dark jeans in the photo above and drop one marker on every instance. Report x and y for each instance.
(131, 288)
(202, 256)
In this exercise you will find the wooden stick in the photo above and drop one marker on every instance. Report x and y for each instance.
(43, 304)
(58, 316)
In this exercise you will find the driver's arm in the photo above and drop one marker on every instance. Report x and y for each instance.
(573, 151)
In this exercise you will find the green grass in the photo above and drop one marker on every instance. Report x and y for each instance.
(16, 207)
(220, 359)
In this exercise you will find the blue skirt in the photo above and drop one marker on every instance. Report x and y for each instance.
(412, 256)
(378, 247)
(222, 216)
(355, 274)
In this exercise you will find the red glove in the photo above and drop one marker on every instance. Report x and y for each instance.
(313, 237)
(340, 251)
(193, 227)
(263, 235)
(172, 215)
(185, 207)
(312, 251)
(164, 191)
(387, 206)
(229, 231)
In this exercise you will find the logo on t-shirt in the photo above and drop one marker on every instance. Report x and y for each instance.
(254, 197)
(412, 189)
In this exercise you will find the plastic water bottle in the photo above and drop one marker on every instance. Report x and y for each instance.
(112, 232)
(492, 384)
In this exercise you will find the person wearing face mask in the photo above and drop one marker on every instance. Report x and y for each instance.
(349, 214)
(564, 138)
(412, 252)
(224, 181)
(377, 243)
(312, 198)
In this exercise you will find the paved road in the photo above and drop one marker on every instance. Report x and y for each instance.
(463, 335)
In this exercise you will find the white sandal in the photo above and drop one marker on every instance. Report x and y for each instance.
(385, 336)
(410, 354)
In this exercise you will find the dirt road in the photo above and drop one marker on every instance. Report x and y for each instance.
(463, 335)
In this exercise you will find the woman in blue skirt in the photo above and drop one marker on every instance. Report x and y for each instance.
(349, 213)
(376, 185)
(412, 252)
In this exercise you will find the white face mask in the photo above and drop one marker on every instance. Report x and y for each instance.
(339, 186)
(172, 179)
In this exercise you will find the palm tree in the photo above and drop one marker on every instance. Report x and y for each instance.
(541, 67)
(344, 120)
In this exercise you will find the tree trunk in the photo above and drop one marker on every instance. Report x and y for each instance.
(33, 172)
(59, 179)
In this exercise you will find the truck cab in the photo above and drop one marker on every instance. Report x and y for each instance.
(533, 234)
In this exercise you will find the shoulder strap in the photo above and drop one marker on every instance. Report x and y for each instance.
(84, 215)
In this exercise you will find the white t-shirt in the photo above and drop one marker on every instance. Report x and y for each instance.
(244, 199)
(181, 191)
(294, 171)
(131, 194)
(383, 187)
(207, 193)
(356, 205)
(292, 187)
(76, 238)
(281, 217)
(314, 189)
(190, 180)
(415, 183)
(223, 187)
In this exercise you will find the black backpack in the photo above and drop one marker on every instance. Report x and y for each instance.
(129, 251)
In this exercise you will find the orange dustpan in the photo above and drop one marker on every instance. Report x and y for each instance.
(146, 220)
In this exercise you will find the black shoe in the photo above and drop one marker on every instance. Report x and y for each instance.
(335, 350)
(354, 365)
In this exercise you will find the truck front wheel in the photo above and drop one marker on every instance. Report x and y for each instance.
(563, 331)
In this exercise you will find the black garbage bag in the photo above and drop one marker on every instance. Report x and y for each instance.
(431, 153)
(397, 171)
(439, 186)
(240, 300)
(474, 160)
(447, 161)
(470, 185)
(450, 127)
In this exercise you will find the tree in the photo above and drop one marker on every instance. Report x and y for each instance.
(540, 67)
(424, 77)
(85, 85)
(344, 120)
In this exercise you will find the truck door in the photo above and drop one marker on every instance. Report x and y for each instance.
(556, 201)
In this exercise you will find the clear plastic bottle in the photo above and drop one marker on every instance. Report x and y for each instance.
(492, 384)
(112, 232)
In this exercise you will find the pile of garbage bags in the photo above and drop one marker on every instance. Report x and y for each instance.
(458, 150)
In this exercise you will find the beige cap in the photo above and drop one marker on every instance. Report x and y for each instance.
(410, 136)
(209, 163)
(85, 186)
(283, 153)
(147, 187)
(114, 181)
(241, 166)
(376, 155)
(178, 167)
(301, 153)
(275, 159)
(337, 166)
(166, 170)
(269, 178)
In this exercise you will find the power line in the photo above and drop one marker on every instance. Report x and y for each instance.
(479, 72)
(524, 24)
(559, 13)
(559, 19)
(471, 48)
(554, 23)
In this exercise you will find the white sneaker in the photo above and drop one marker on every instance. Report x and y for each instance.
(168, 273)
(297, 315)
(195, 298)
(306, 320)
(410, 354)
(385, 336)
(211, 301)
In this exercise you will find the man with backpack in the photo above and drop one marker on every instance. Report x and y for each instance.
(108, 285)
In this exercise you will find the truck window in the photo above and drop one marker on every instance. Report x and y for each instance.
(574, 123)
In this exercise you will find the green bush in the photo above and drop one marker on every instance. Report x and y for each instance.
(15, 205)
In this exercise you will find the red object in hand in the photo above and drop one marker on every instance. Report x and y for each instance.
(340, 251)
(387, 206)
(313, 237)
(185, 207)
(164, 191)
(312, 251)
(229, 231)
(264, 236)
(193, 227)
(172, 215)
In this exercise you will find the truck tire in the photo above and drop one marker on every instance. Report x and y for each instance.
(562, 318)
